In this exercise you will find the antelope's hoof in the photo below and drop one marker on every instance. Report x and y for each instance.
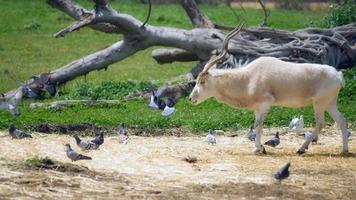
(300, 152)
(345, 153)
(260, 151)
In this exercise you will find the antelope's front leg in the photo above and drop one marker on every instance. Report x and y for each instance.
(260, 115)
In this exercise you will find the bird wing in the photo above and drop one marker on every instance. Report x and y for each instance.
(123, 138)
(84, 145)
(73, 155)
(293, 122)
(21, 134)
(300, 124)
(98, 140)
(272, 142)
(210, 138)
(92, 145)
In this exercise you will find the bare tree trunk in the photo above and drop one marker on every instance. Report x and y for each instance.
(334, 46)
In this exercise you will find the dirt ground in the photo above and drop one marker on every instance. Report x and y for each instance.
(154, 168)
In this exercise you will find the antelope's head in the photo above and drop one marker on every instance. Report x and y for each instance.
(204, 87)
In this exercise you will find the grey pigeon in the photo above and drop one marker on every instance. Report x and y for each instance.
(123, 136)
(4, 104)
(251, 135)
(31, 93)
(309, 134)
(51, 89)
(28, 92)
(210, 137)
(74, 156)
(274, 141)
(99, 138)
(85, 145)
(283, 172)
(16, 133)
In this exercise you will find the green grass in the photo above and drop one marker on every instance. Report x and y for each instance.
(27, 47)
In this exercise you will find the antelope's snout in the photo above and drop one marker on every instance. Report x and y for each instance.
(194, 96)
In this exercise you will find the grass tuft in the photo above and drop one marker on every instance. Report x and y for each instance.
(47, 163)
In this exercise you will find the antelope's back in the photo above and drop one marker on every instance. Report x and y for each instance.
(297, 82)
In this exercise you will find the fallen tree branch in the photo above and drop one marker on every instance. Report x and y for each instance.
(67, 103)
(75, 26)
(78, 13)
(198, 19)
(163, 56)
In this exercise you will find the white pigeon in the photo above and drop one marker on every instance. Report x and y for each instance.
(294, 122)
(210, 137)
(153, 103)
(169, 109)
(297, 124)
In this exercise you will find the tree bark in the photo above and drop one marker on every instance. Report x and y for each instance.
(65, 103)
(335, 47)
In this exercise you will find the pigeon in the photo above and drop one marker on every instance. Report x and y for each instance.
(294, 122)
(74, 156)
(274, 141)
(349, 133)
(251, 135)
(297, 124)
(85, 145)
(51, 89)
(99, 138)
(30, 93)
(16, 133)
(123, 136)
(156, 102)
(210, 137)
(283, 172)
(8, 106)
(309, 134)
(169, 109)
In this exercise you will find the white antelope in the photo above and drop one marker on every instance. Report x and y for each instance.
(267, 82)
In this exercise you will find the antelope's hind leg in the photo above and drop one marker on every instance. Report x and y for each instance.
(341, 121)
(319, 111)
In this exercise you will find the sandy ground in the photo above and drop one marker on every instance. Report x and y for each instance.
(152, 167)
